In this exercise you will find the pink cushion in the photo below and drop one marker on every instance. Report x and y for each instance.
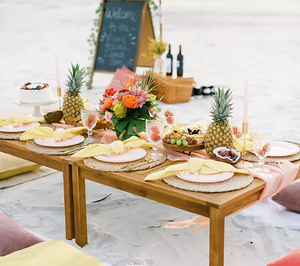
(14, 237)
(289, 197)
(290, 259)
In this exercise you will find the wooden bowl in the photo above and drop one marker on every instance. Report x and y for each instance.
(99, 125)
(183, 148)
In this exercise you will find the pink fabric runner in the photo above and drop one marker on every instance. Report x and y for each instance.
(282, 174)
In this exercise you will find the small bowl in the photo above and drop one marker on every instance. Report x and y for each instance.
(219, 158)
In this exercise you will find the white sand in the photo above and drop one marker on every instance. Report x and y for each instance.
(223, 42)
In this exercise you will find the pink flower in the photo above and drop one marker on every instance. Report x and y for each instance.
(119, 95)
(153, 111)
(142, 95)
(101, 117)
(108, 116)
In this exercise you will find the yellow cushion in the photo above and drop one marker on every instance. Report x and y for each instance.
(11, 165)
(49, 253)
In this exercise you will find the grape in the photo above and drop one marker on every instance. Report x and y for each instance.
(178, 142)
(185, 143)
(183, 138)
(173, 141)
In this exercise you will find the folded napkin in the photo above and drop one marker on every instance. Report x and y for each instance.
(239, 143)
(194, 165)
(116, 147)
(48, 133)
(17, 121)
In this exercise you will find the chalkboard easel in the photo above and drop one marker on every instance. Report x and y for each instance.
(124, 30)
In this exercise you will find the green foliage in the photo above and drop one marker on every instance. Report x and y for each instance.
(75, 79)
(133, 123)
(222, 105)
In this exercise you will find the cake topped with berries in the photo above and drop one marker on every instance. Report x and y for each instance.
(35, 93)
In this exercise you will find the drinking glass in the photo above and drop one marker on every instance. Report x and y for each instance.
(237, 127)
(155, 131)
(89, 117)
(170, 115)
(261, 147)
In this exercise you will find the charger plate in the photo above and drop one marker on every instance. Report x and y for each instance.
(137, 165)
(251, 157)
(236, 182)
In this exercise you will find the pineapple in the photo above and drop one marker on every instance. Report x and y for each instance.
(73, 103)
(219, 131)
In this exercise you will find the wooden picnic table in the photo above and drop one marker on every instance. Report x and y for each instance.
(215, 206)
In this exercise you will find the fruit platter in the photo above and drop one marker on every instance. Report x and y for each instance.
(184, 140)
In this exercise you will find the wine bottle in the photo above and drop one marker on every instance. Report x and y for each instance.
(169, 62)
(179, 63)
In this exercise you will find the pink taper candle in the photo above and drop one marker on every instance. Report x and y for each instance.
(57, 73)
(245, 118)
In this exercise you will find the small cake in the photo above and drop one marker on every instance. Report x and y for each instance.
(35, 93)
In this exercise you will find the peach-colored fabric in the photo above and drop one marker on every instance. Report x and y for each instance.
(290, 259)
(282, 174)
(121, 75)
(109, 136)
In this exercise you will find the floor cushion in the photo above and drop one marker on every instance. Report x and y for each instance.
(11, 166)
(289, 197)
(14, 237)
(290, 259)
(50, 253)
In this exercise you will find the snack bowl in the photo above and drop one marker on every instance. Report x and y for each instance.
(227, 155)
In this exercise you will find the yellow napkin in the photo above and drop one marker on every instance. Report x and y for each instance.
(116, 147)
(205, 167)
(47, 132)
(239, 143)
(17, 121)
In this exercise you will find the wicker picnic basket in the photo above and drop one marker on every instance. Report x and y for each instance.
(174, 90)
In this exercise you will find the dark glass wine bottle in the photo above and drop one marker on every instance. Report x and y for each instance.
(179, 63)
(169, 62)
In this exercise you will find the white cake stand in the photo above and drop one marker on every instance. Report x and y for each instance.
(37, 110)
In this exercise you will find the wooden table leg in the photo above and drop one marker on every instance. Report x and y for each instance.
(216, 237)
(79, 207)
(68, 198)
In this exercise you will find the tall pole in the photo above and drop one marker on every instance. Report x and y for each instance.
(160, 19)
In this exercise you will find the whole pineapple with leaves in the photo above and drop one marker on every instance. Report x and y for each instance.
(73, 102)
(219, 131)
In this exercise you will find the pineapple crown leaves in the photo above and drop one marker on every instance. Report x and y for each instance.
(75, 79)
(221, 107)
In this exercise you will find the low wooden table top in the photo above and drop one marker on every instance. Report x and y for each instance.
(158, 190)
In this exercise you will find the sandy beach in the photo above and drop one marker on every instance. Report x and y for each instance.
(224, 43)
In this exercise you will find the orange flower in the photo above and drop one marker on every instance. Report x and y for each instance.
(130, 101)
(107, 104)
(128, 83)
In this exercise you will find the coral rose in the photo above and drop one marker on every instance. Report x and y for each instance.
(107, 104)
(130, 101)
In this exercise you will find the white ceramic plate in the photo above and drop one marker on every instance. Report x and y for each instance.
(12, 129)
(205, 178)
(281, 148)
(65, 143)
(127, 156)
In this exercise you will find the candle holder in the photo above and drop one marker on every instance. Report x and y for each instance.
(59, 97)
(244, 132)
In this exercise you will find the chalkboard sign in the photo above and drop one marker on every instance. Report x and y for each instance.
(125, 28)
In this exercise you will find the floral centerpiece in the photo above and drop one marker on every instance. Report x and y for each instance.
(129, 108)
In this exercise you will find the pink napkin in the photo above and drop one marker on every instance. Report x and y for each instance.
(282, 174)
